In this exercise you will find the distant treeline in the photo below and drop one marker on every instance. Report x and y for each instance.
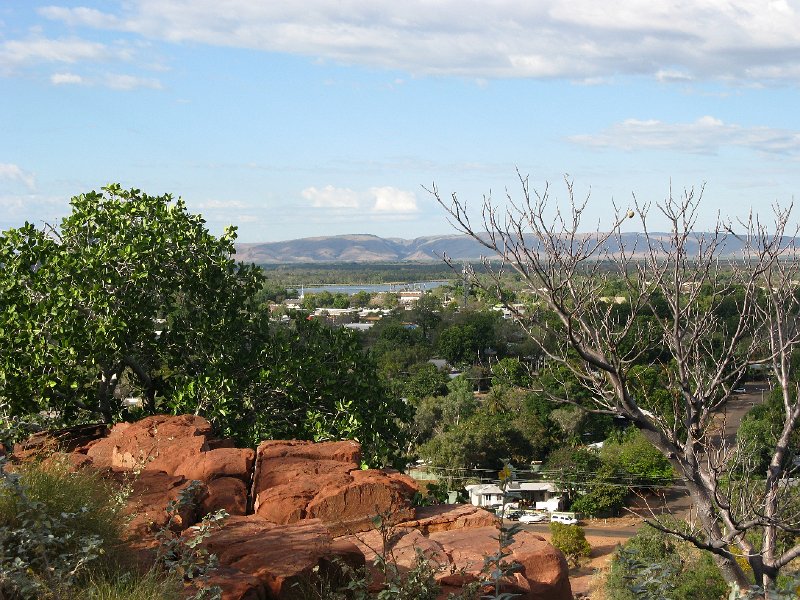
(294, 275)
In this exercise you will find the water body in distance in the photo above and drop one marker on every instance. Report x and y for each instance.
(383, 287)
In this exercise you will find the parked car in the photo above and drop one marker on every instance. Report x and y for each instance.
(739, 390)
(514, 515)
(533, 518)
(565, 518)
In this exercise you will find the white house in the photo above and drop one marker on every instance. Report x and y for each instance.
(409, 297)
(484, 494)
(542, 495)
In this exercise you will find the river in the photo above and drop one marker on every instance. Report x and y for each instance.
(373, 288)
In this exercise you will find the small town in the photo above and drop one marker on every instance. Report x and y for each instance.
(374, 300)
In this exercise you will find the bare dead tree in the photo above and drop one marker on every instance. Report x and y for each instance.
(674, 283)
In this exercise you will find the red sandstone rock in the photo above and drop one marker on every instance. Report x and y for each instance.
(226, 493)
(285, 558)
(292, 483)
(350, 506)
(544, 573)
(403, 545)
(222, 462)
(301, 480)
(158, 443)
(344, 451)
(151, 492)
(445, 517)
(235, 585)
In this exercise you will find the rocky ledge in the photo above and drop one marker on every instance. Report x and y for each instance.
(299, 510)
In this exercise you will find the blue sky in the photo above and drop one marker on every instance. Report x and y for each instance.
(322, 117)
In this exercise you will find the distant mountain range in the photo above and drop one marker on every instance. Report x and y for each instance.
(371, 248)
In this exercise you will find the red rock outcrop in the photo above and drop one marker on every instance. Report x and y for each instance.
(544, 572)
(284, 559)
(151, 492)
(303, 495)
(222, 462)
(158, 443)
(225, 493)
(179, 447)
(69, 439)
(445, 517)
(297, 480)
(457, 554)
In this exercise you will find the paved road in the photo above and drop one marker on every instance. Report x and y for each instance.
(739, 405)
(622, 532)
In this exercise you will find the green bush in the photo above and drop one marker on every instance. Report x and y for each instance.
(54, 526)
(64, 491)
(571, 540)
(652, 562)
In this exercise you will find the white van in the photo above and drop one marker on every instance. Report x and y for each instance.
(567, 518)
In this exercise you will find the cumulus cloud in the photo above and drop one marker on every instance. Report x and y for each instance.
(331, 197)
(66, 79)
(577, 39)
(18, 53)
(384, 200)
(11, 172)
(390, 199)
(129, 82)
(705, 135)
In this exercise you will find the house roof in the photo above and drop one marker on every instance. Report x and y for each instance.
(515, 487)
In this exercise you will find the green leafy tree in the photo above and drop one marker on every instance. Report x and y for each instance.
(602, 496)
(130, 295)
(572, 468)
(481, 441)
(426, 313)
(425, 380)
(458, 345)
(510, 372)
(129, 288)
(360, 299)
(315, 382)
(632, 455)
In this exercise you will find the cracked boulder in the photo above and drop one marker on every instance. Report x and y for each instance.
(297, 480)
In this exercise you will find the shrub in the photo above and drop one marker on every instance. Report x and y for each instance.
(131, 586)
(571, 540)
(651, 563)
(65, 491)
(54, 524)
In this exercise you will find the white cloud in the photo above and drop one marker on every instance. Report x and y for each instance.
(732, 40)
(705, 135)
(672, 75)
(81, 16)
(66, 78)
(11, 172)
(331, 197)
(390, 199)
(17, 53)
(129, 82)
